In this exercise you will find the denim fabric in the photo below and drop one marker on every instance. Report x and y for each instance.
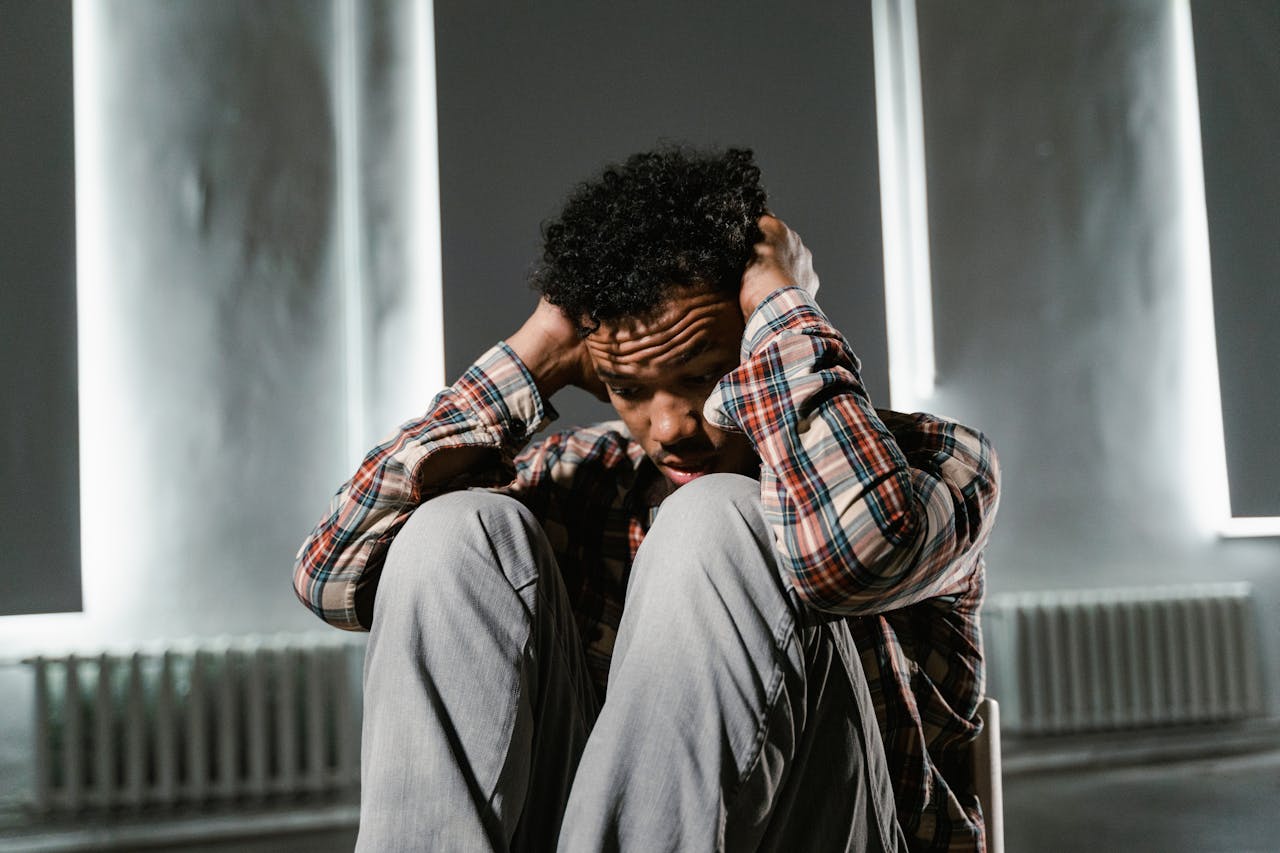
(735, 718)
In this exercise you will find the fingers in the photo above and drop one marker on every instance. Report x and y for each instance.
(783, 247)
(771, 225)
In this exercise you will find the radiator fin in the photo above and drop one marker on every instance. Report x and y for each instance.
(1120, 659)
(196, 723)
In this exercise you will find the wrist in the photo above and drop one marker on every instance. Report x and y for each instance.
(540, 358)
(757, 290)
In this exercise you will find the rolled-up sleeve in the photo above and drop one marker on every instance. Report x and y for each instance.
(867, 518)
(494, 405)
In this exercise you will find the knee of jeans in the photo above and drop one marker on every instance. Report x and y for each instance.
(447, 533)
(709, 502)
(701, 525)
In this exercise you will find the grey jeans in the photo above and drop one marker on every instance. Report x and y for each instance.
(735, 719)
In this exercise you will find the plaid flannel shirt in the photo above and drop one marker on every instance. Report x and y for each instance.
(879, 516)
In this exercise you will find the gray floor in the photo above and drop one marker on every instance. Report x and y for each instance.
(1229, 805)
(1224, 805)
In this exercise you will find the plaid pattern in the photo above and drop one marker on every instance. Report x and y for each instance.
(880, 517)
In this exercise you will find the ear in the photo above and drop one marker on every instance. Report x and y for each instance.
(587, 326)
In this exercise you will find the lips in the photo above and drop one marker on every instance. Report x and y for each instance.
(682, 471)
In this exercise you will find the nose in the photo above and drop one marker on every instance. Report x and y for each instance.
(673, 419)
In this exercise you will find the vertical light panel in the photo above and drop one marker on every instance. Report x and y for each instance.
(346, 39)
(99, 358)
(427, 301)
(1202, 399)
(904, 205)
(394, 351)
(90, 332)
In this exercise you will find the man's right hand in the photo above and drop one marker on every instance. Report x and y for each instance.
(780, 260)
(549, 345)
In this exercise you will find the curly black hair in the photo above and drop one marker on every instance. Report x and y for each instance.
(671, 217)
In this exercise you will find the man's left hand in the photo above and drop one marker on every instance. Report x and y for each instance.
(781, 260)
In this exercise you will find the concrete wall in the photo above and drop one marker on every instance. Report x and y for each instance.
(210, 318)
(1061, 289)
(213, 318)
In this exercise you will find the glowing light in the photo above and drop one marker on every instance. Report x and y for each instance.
(427, 291)
(1236, 528)
(350, 240)
(903, 203)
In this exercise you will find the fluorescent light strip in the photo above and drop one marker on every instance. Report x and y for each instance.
(95, 354)
(102, 376)
(917, 248)
(350, 239)
(1238, 528)
(903, 203)
(427, 375)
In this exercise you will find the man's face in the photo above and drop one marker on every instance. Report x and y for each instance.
(660, 370)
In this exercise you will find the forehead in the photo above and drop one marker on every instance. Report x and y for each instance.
(686, 326)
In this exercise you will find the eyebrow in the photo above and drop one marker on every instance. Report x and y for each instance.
(606, 373)
(695, 351)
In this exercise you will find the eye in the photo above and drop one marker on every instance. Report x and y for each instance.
(704, 379)
(623, 393)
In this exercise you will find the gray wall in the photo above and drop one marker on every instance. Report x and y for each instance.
(210, 358)
(537, 98)
(213, 326)
(1060, 293)
(215, 351)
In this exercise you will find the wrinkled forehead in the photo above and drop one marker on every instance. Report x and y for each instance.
(683, 328)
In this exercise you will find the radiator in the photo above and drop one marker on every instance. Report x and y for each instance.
(1123, 659)
(198, 723)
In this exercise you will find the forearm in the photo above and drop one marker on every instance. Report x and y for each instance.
(863, 528)
(552, 351)
(469, 436)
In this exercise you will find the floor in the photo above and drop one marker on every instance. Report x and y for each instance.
(1223, 805)
(1228, 805)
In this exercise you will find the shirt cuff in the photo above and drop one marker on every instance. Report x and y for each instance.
(788, 309)
(504, 397)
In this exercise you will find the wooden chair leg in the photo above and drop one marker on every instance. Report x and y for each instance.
(986, 772)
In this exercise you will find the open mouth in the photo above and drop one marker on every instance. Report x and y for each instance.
(685, 472)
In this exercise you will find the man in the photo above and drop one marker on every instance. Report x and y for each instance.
(742, 618)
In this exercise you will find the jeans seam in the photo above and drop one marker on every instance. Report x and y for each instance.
(786, 630)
